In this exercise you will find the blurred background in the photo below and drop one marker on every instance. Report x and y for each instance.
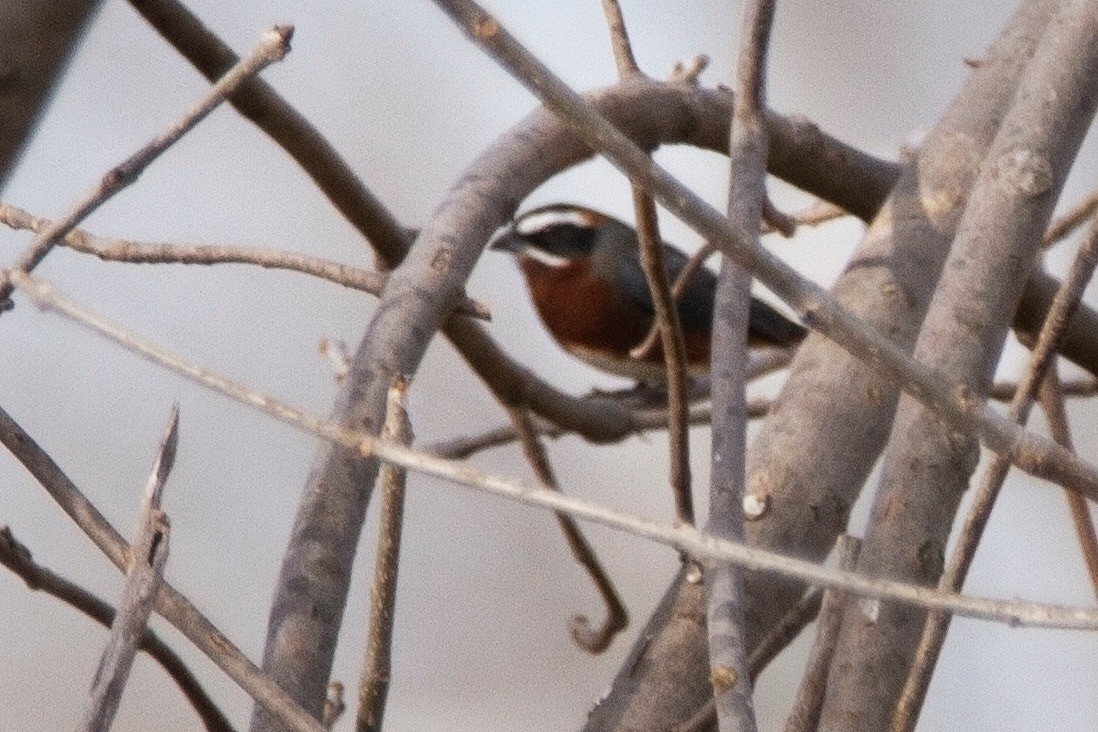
(487, 588)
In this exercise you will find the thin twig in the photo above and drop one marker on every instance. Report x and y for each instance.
(1064, 225)
(1052, 404)
(462, 448)
(683, 538)
(644, 415)
(173, 606)
(122, 250)
(666, 321)
(805, 714)
(815, 214)
(273, 46)
(592, 640)
(16, 557)
(747, 154)
(377, 668)
(144, 576)
(958, 407)
(1063, 307)
(674, 352)
(619, 40)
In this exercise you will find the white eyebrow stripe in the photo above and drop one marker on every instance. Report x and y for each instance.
(537, 221)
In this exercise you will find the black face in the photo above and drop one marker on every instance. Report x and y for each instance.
(563, 240)
(563, 232)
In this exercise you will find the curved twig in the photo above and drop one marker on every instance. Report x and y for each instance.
(592, 640)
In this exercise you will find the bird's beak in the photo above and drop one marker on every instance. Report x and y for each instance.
(506, 240)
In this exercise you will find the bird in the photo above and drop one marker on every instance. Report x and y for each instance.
(582, 269)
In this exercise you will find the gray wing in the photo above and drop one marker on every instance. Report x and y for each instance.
(696, 303)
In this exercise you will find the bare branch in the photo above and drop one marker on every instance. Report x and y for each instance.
(144, 577)
(646, 415)
(16, 557)
(273, 46)
(172, 605)
(122, 250)
(702, 547)
(674, 352)
(1033, 454)
(648, 418)
(816, 160)
(1002, 209)
(1064, 226)
(808, 471)
(747, 152)
(619, 40)
(666, 322)
(592, 640)
(1051, 397)
(377, 668)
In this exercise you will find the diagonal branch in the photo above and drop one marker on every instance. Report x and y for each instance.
(959, 407)
(685, 539)
(173, 606)
(16, 557)
(592, 640)
(666, 322)
(1051, 397)
(619, 40)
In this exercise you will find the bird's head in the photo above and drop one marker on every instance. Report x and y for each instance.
(560, 234)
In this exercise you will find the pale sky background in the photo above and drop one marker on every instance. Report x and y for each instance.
(487, 588)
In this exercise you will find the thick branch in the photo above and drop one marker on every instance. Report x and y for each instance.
(928, 464)
(309, 604)
(814, 452)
